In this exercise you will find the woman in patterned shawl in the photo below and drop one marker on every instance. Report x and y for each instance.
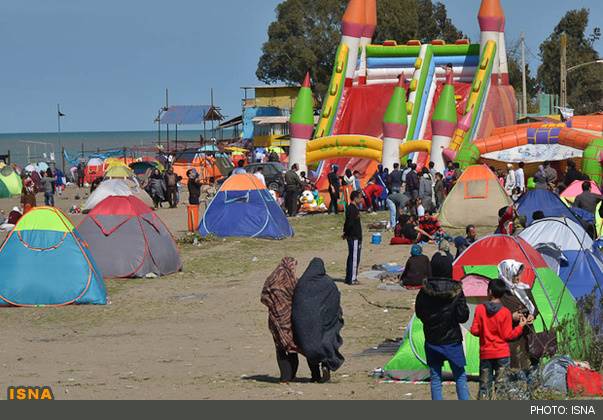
(277, 295)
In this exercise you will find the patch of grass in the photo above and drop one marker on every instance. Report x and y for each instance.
(235, 257)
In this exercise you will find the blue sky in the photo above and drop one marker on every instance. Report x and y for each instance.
(108, 62)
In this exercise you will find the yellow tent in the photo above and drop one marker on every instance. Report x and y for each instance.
(119, 172)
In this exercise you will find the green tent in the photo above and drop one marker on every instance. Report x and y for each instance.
(10, 182)
(475, 268)
(599, 221)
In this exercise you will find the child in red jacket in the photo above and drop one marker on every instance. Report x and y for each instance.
(493, 324)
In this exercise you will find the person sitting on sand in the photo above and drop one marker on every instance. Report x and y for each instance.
(418, 268)
(430, 226)
(11, 221)
(408, 232)
(443, 256)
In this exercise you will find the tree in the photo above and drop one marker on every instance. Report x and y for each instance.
(435, 23)
(585, 86)
(516, 80)
(304, 36)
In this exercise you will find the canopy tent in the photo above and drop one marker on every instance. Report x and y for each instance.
(245, 208)
(582, 266)
(116, 188)
(208, 148)
(10, 182)
(128, 239)
(45, 263)
(475, 199)
(190, 115)
(475, 268)
(575, 190)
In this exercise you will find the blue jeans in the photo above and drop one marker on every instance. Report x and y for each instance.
(49, 199)
(489, 370)
(393, 213)
(455, 356)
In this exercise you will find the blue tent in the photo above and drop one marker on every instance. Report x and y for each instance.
(245, 208)
(44, 262)
(547, 202)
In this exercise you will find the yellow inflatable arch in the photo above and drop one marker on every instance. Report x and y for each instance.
(357, 146)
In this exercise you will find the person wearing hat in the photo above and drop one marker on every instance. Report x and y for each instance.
(418, 268)
(443, 257)
(441, 306)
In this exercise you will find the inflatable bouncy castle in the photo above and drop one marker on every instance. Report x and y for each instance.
(423, 101)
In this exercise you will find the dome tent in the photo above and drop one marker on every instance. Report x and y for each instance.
(546, 201)
(45, 263)
(574, 190)
(128, 239)
(95, 168)
(475, 199)
(10, 182)
(475, 268)
(582, 268)
(119, 172)
(118, 188)
(245, 208)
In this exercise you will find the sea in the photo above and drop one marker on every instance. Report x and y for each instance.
(27, 148)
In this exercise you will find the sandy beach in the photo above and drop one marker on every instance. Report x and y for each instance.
(202, 333)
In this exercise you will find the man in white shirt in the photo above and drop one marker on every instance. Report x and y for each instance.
(405, 172)
(511, 181)
(259, 174)
(520, 178)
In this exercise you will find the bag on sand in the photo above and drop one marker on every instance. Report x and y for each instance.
(584, 382)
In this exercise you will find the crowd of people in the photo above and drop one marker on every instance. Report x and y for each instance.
(504, 324)
(50, 182)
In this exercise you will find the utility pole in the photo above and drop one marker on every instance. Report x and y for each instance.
(563, 88)
(524, 75)
(167, 105)
(212, 112)
(59, 116)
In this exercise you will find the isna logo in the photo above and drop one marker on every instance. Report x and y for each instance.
(29, 393)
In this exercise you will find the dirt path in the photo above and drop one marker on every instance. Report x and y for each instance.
(202, 334)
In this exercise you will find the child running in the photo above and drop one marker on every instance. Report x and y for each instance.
(493, 324)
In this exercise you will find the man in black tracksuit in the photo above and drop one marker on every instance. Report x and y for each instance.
(334, 190)
(352, 232)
